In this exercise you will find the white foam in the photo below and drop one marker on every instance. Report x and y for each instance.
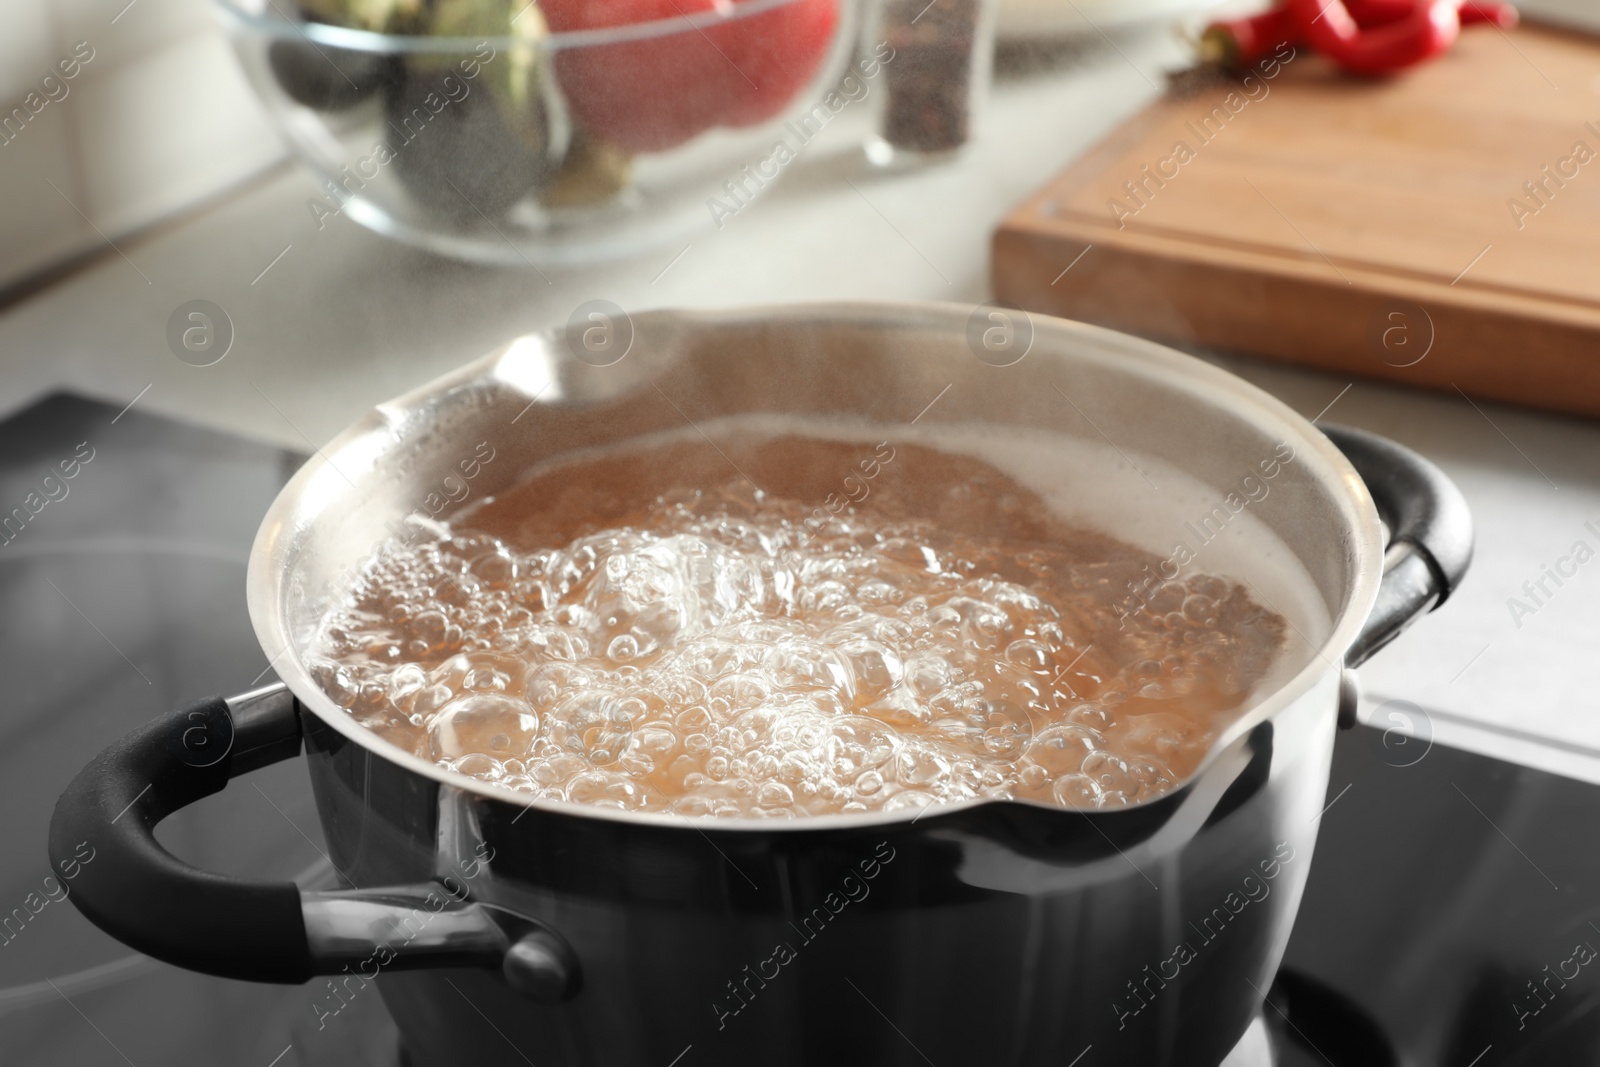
(1138, 499)
(716, 695)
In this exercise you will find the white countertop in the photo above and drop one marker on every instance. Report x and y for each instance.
(346, 319)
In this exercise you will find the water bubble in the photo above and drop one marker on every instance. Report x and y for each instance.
(875, 669)
(1157, 735)
(1062, 749)
(488, 723)
(479, 765)
(1029, 655)
(775, 795)
(1077, 791)
(606, 790)
(1110, 772)
(919, 767)
(596, 723)
(909, 800)
(720, 653)
(495, 569)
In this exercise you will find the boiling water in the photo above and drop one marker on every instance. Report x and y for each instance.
(745, 624)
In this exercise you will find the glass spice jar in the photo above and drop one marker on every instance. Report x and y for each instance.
(936, 80)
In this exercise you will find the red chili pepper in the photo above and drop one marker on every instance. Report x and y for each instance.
(1430, 29)
(1370, 13)
(654, 94)
(1362, 36)
(1243, 42)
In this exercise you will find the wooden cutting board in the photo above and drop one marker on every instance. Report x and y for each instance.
(1378, 228)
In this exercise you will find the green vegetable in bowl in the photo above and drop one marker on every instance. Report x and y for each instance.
(332, 79)
(328, 79)
(379, 16)
(515, 78)
(473, 134)
(470, 131)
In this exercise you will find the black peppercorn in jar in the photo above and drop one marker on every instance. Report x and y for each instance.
(937, 76)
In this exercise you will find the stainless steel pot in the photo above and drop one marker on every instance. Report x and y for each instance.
(987, 933)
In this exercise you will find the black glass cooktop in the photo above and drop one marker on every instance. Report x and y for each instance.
(1449, 918)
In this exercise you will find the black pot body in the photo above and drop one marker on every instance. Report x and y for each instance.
(994, 935)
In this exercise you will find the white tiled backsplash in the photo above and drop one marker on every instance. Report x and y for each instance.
(156, 116)
(159, 118)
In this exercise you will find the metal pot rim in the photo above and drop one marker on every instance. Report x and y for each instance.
(1054, 338)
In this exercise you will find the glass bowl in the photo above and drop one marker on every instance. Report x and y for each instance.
(521, 134)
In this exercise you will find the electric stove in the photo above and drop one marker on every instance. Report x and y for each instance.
(1445, 917)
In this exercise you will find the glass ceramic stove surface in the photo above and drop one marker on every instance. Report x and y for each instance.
(1447, 908)
(121, 597)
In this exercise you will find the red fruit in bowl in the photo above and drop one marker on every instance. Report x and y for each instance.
(656, 93)
(781, 52)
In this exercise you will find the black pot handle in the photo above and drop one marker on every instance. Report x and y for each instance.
(1430, 534)
(103, 833)
(141, 894)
